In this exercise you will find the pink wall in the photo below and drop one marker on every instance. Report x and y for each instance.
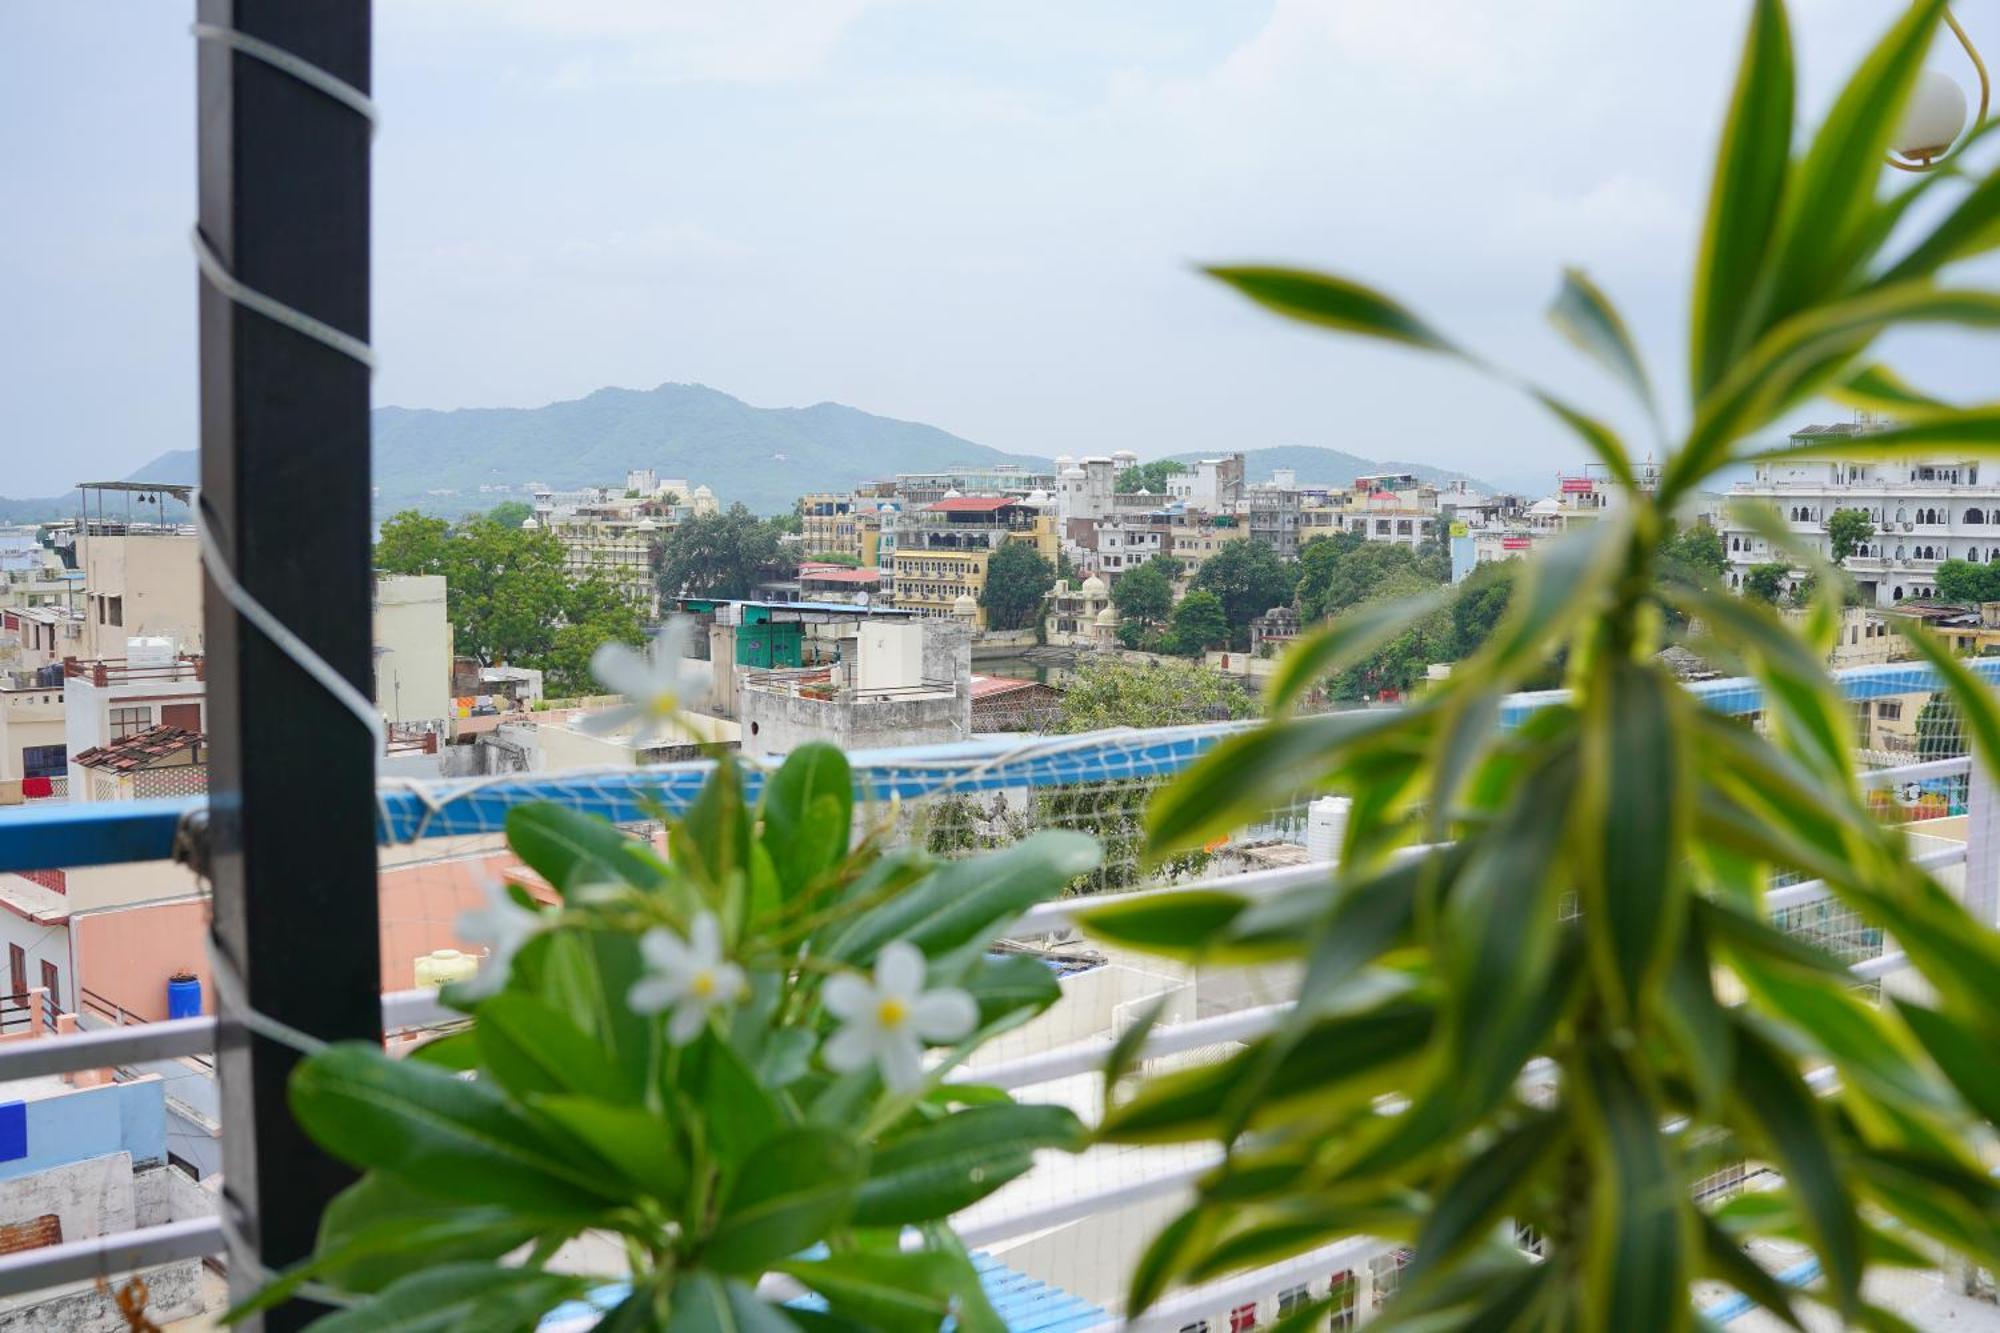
(126, 955)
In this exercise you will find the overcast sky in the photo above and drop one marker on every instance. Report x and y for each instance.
(975, 213)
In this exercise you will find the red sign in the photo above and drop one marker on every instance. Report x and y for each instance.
(1516, 543)
(1578, 485)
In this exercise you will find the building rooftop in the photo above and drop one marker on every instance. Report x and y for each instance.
(838, 574)
(974, 504)
(141, 749)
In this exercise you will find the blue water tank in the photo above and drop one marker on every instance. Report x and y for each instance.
(184, 997)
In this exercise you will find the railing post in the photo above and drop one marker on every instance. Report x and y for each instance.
(1982, 844)
(284, 205)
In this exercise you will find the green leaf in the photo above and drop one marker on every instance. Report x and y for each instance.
(1640, 790)
(705, 1303)
(634, 1142)
(1269, 1233)
(929, 1172)
(1009, 986)
(447, 1136)
(1746, 937)
(457, 1051)
(588, 974)
(447, 1296)
(808, 814)
(1724, 1260)
(1973, 696)
(1965, 1055)
(1244, 776)
(1775, 1106)
(1970, 229)
(1345, 640)
(1695, 1021)
(1973, 428)
(712, 842)
(789, 1194)
(741, 1114)
(1876, 388)
(1744, 199)
(572, 850)
(1182, 924)
(1478, 1197)
(912, 1292)
(1333, 303)
(1828, 214)
(1637, 1260)
(1949, 1203)
(1584, 315)
(1166, 1257)
(1340, 1061)
(970, 900)
(530, 1047)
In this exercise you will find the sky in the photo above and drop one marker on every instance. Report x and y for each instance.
(981, 214)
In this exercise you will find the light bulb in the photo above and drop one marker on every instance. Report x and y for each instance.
(1933, 118)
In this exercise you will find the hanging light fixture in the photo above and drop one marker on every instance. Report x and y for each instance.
(1935, 115)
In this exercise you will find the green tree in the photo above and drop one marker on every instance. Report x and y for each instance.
(1482, 600)
(412, 543)
(1766, 582)
(1144, 596)
(511, 513)
(1963, 581)
(1249, 579)
(835, 558)
(1148, 476)
(1359, 575)
(1017, 579)
(1940, 729)
(594, 613)
(1595, 1005)
(725, 555)
(1198, 624)
(1107, 692)
(1846, 531)
(1695, 550)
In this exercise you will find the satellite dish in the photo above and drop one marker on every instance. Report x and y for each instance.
(861, 599)
(1911, 793)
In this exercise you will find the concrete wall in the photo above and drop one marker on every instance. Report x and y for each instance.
(28, 717)
(126, 954)
(413, 648)
(160, 579)
(42, 941)
(779, 723)
(80, 1123)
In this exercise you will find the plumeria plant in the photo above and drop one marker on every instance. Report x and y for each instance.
(1547, 993)
(727, 1062)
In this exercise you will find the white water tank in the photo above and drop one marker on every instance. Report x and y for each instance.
(149, 651)
(1326, 825)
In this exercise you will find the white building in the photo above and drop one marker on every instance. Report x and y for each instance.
(1212, 484)
(1925, 511)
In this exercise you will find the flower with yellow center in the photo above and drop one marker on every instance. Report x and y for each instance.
(887, 1021)
(689, 976)
(650, 682)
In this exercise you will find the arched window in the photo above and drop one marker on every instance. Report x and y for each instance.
(1899, 552)
(1902, 514)
(1899, 593)
(1735, 579)
(1974, 516)
(1973, 554)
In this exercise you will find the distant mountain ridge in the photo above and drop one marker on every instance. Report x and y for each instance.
(766, 457)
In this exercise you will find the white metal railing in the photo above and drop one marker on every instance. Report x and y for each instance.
(143, 1247)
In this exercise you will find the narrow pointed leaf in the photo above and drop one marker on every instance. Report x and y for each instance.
(1585, 315)
(1725, 1261)
(450, 1296)
(1637, 1261)
(1334, 303)
(1344, 641)
(1476, 1199)
(1965, 1056)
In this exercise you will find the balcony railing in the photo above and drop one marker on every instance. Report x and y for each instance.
(144, 830)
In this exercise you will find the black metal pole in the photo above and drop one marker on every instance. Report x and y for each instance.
(285, 480)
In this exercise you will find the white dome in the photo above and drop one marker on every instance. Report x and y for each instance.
(1933, 118)
(1092, 587)
(1073, 474)
(646, 525)
(963, 605)
(951, 494)
(1108, 616)
(704, 492)
(1037, 497)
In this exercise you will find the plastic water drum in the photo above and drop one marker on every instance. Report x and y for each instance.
(184, 997)
(1326, 825)
(443, 965)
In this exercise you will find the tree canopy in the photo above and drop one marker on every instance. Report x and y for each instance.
(1846, 530)
(1963, 581)
(725, 554)
(1017, 579)
(509, 596)
(1338, 572)
(1766, 582)
(511, 513)
(1148, 476)
(1198, 624)
(1112, 693)
(1248, 579)
(1695, 551)
(1144, 596)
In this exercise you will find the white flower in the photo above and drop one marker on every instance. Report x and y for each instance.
(888, 1022)
(650, 682)
(689, 976)
(503, 926)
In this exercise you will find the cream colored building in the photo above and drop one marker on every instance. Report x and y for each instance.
(138, 583)
(412, 648)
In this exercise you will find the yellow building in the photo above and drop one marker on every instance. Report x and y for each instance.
(828, 524)
(943, 550)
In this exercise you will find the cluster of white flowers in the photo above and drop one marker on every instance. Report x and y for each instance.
(885, 1020)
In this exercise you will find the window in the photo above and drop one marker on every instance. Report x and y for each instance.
(17, 970)
(1198, 1326)
(1243, 1318)
(130, 721)
(116, 607)
(52, 983)
(44, 761)
(1889, 710)
(1292, 1298)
